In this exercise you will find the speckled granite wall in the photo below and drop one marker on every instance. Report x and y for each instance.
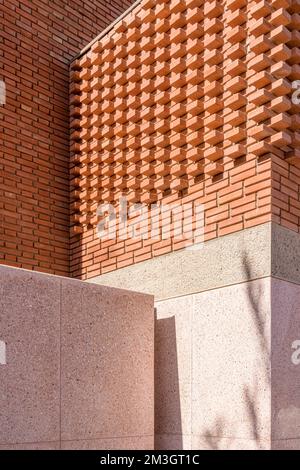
(221, 369)
(285, 356)
(227, 368)
(78, 367)
(228, 316)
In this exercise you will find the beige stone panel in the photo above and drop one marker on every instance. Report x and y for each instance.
(231, 443)
(286, 444)
(285, 361)
(231, 362)
(32, 446)
(29, 381)
(107, 357)
(124, 443)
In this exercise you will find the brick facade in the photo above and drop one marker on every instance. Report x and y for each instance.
(179, 101)
(186, 101)
(38, 39)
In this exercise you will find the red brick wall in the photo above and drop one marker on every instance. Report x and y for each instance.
(38, 39)
(186, 101)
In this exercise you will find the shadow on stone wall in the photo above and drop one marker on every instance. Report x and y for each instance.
(168, 429)
(250, 393)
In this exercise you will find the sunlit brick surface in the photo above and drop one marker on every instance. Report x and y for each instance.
(186, 101)
(38, 39)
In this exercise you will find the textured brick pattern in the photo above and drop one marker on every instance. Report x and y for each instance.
(186, 100)
(38, 39)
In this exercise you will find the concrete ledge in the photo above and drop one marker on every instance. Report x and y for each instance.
(285, 255)
(235, 258)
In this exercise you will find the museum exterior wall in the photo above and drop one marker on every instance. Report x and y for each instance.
(78, 367)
